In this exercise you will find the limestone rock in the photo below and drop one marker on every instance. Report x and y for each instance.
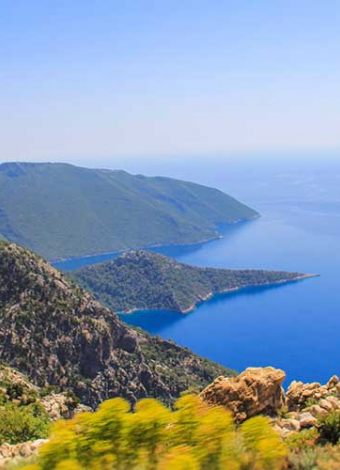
(291, 424)
(326, 405)
(334, 402)
(286, 426)
(5, 450)
(307, 420)
(13, 453)
(317, 411)
(25, 450)
(62, 406)
(255, 391)
(333, 382)
(300, 395)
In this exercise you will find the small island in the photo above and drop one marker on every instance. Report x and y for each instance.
(143, 280)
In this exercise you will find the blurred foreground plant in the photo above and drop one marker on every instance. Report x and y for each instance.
(194, 436)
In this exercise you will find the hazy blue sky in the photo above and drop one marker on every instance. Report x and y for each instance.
(83, 78)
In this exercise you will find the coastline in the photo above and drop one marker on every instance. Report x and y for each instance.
(211, 295)
(126, 250)
(218, 236)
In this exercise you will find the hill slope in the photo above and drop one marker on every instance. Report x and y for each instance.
(56, 334)
(143, 280)
(63, 211)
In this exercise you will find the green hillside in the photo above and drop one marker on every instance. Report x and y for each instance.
(62, 211)
(143, 280)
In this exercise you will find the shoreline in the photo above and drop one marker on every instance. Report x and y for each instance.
(211, 295)
(218, 236)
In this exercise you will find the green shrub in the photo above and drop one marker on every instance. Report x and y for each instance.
(305, 459)
(303, 440)
(312, 401)
(316, 458)
(23, 423)
(329, 427)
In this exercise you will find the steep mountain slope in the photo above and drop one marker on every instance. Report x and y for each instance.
(56, 334)
(62, 211)
(142, 280)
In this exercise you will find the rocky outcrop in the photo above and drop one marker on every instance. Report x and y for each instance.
(305, 404)
(14, 453)
(255, 391)
(258, 391)
(300, 395)
(15, 388)
(57, 334)
(62, 406)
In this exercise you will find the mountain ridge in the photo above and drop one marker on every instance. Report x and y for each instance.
(63, 211)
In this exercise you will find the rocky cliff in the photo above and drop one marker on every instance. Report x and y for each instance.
(18, 390)
(56, 334)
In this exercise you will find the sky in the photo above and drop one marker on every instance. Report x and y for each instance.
(88, 80)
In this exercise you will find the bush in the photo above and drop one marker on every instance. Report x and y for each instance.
(303, 440)
(316, 458)
(23, 423)
(329, 427)
(192, 437)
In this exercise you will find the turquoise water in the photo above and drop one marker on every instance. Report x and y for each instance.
(295, 327)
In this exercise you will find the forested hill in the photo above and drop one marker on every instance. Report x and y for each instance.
(63, 211)
(143, 280)
(56, 334)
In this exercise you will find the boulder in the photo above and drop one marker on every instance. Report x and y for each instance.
(326, 404)
(307, 420)
(25, 449)
(333, 382)
(334, 402)
(317, 411)
(292, 425)
(287, 426)
(6, 450)
(255, 391)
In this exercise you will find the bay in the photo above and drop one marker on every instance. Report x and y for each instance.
(296, 326)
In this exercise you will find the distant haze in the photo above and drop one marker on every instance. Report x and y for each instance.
(116, 78)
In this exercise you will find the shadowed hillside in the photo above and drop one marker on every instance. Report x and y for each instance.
(55, 332)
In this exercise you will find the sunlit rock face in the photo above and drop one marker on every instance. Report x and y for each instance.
(255, 391)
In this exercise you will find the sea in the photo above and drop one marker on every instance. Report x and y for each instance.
(295, 327)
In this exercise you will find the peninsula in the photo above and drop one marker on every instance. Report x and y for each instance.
(143, 280)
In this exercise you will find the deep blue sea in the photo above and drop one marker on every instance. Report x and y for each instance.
(295, 327)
